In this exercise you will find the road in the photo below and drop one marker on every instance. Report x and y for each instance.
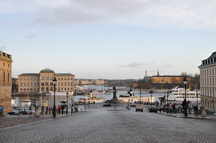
(110, 125)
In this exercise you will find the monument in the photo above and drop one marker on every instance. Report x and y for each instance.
(115, 98)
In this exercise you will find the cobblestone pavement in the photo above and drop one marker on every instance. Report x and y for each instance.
(109, 125)
(16, 120)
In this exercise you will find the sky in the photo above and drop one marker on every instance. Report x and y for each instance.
(112, 39)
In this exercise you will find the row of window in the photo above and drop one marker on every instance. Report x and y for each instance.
(208, 91)
(42, 79)
(208, 76)
(28, 78)
(44, 89)
(58, 89)
(4, 64)
(5, 78)
(58, 78)
(29, 89)
(58, 84)
(29, 84)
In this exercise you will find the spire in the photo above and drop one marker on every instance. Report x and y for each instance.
(158, 73)
(146, 73)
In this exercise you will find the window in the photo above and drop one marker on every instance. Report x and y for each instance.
(8, 77)
(4, 77)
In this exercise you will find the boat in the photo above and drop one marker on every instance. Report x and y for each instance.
(177, 95)
(124, 96)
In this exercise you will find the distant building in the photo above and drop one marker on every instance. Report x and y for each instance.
(99, 82)
(167, 79)
(5, 81)
(91, 82)
(43, 82)
(14, 86)
(208, 82)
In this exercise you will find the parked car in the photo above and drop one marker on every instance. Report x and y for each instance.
(153, 109)
(14, 112)
(107, 103)
(24, 112)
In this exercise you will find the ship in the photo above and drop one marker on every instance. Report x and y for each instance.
(177, 95)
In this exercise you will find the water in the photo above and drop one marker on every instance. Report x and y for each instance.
(120, 91)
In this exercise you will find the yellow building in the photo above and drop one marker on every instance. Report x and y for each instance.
(168, 79)
(43, 82)
(5, 81)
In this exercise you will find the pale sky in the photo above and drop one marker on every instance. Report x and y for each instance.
(108, 38)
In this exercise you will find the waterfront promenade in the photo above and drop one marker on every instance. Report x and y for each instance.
(112, 125)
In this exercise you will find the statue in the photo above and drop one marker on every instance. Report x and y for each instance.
(115, 99)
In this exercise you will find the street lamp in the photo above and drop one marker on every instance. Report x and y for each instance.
(140, 95)
(67, 103)
(151, 92)
(185, 98)
(54, 101)
(168, 94)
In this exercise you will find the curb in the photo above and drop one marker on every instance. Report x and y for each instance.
(196, 118)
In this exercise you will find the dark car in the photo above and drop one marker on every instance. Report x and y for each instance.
(24, 112)
(14, 112)
(153, 109)
(107, 103)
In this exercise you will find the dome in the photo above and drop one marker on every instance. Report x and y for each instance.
(46, 71)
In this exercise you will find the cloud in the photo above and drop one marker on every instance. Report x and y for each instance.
(30, 36)
(180, 13)
(133, 65)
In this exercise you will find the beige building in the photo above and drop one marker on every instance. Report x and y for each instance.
(167, 79)
(91, 82)
(43, 82)
(5, 81)
(208, 83)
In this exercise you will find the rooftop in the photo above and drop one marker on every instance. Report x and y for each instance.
(63, 74)
(47, 71)
(29, 74)
(210, 60)
(3, 54)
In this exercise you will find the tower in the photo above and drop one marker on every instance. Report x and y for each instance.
(158, 73)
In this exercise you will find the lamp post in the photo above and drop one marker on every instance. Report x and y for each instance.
(167, 97)
(185, 98)
(151, 92)
(197, 95)
(54, 100)
(140, 95)
(67, 103)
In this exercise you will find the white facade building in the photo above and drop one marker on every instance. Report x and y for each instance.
(208, 83)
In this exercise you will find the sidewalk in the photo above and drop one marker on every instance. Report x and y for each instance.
(10, 121)
(190, 116)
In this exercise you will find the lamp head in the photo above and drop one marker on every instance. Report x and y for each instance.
(185, 80)
(54, 81)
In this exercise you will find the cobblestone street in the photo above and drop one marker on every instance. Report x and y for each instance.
(112, 125)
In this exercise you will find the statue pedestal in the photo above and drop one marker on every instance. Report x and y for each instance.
(114, 101)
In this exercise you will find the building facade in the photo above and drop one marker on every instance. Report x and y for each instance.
(91, 82)
(5, 81)
(43, 82)
(167, 79)
(208, 83)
